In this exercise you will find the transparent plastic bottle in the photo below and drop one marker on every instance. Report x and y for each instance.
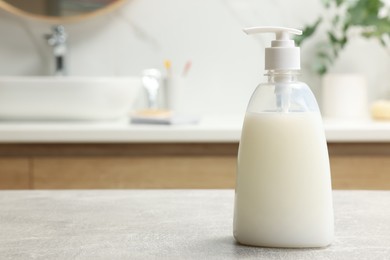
(283, 188)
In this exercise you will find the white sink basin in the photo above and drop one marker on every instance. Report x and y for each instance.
(67, 98)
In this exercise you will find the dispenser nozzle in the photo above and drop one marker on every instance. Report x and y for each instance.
(281, 32)
(283, 55)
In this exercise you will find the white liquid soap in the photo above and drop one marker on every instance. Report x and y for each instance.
(283, 188)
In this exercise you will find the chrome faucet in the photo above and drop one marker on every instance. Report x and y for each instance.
(57, 39)
(151, 81)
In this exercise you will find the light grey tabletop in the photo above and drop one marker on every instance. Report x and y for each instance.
(169, 224)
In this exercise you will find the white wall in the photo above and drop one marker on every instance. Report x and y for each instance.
(227, 64)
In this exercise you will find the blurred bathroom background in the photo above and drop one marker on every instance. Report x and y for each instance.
(208, 66)
(226, 65)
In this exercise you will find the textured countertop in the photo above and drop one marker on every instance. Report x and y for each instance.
(210, 129)
(170, 224)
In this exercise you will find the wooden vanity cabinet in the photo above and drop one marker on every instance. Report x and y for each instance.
(167, 166)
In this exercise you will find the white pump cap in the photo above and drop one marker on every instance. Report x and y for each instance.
(282, 55)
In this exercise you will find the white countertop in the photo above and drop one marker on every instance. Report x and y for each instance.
(209, 129)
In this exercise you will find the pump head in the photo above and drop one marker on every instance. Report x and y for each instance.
(282, 55)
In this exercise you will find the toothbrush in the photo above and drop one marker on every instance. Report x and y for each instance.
(187, 68)
(168, 66)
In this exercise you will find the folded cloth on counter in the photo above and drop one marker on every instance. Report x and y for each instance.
(162, 117)
(380, 110)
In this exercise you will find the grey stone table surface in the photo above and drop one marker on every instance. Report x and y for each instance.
(170, 224)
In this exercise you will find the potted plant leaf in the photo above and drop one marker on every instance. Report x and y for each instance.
(340, 20)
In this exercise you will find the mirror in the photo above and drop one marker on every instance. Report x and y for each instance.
(59, 11)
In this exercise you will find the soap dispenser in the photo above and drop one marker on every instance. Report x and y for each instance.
(283, 195)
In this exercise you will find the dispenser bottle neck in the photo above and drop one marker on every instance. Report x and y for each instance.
(282, 76)
(283, 80)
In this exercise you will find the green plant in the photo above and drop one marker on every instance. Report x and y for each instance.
(370, 18)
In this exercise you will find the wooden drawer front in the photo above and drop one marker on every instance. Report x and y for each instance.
(134, 172)
(348, 172)
(361, 172)
(14, 173)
